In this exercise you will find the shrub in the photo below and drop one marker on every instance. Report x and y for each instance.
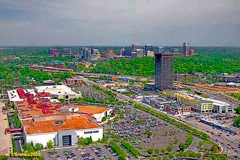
(50, 144)
(150, 150)
(121, 154)
(163, 150)
(169, 148)
(156, 151)
(171, 155)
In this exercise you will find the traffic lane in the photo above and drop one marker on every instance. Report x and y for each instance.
(214, 133)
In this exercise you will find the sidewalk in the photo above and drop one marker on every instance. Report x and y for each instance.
(5, 140)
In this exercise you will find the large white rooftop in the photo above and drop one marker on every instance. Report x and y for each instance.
(55, 89)
(215, 102)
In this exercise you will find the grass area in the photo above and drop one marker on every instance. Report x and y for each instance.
(235, 95)
(208, 146)
(9, 121)
(14, 147)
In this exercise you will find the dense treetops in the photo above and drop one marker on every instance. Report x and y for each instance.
(206, 61)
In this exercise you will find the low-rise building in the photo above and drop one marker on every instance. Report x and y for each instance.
(59, 92)
(218, 106)
(196, 104)
(64, 132)
(74, 80)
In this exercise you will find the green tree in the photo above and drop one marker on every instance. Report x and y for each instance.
(156, 151)
(149, 133)
(151, 158)
(104, 119)
(169, 148)
(164, 157)
(237, 122)
(50, 144)
(81, 141)
(214, 148)
(38, 146)
(150, 150)
(163, 150)
(171, 155)
(182, 146)
(237, 110)
(87, 141)
(214, 157)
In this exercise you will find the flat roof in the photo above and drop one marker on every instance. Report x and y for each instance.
(75, 123)
(26, 110)
(92, 109)
(55, 89)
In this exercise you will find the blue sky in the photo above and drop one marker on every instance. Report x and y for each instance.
(120, 22)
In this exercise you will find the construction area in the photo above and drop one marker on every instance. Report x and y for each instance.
(218, 88)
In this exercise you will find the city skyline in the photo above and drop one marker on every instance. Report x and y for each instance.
(119, 23)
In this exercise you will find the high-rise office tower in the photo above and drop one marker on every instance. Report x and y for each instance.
(185, 49)
(127, 51)
(134, 47)
(86, 53)
(121, 51)
(139, 53)
(163, 70)
(148, 47)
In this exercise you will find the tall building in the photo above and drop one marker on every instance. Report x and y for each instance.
(66, 52)
(134, 55)
(134, 47)
(86, 53)
(163, 70)
(127, 51)
(121, 51)
(185, 49)
(148, 47)
(139, 53)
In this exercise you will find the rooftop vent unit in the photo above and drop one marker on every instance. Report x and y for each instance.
(58, 122)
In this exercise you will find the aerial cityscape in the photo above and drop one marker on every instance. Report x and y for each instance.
(120, 80)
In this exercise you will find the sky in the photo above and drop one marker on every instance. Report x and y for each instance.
(119, 22)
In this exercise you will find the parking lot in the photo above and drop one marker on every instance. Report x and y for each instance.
(103, 152)
(89, 91)
(145, 131)
(229, 141)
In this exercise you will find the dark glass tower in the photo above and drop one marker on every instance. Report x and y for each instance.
(185, 49)
(163, 70)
